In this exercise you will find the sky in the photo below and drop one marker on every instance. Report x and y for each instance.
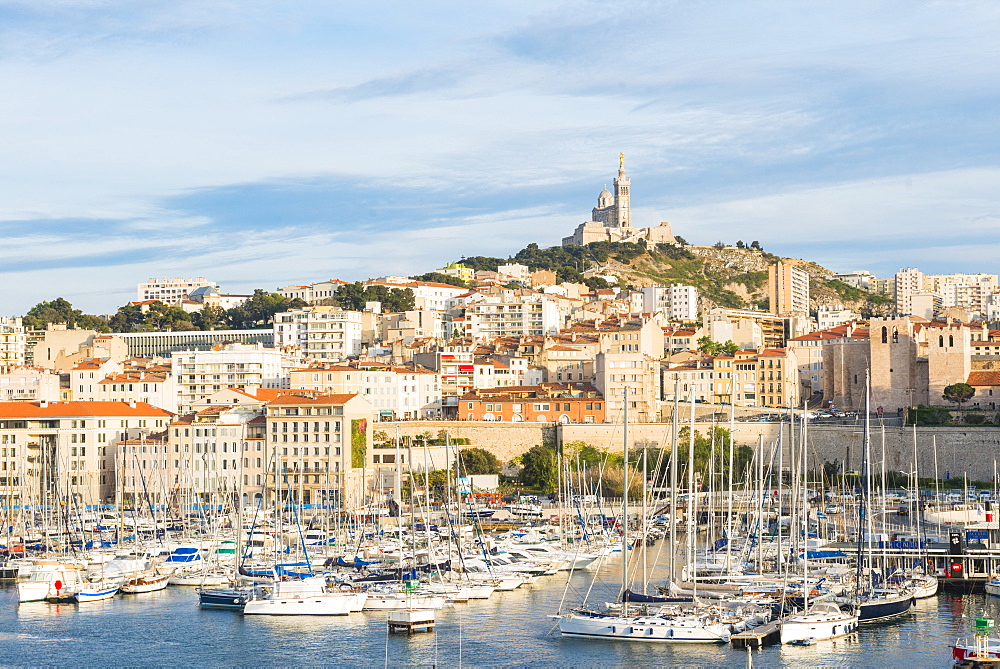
(261, 144)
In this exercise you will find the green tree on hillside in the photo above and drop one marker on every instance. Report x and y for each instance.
(258, 311)
(438, 277)
(60, 310)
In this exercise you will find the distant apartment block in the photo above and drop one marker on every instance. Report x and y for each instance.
(858, 279)
(510, 314)
(677, 301)
(828, 316)
(13, 342)
(322, 333)
(171, 291)
(201, 373)
(394, 392)
(28, 384)
(787, 289)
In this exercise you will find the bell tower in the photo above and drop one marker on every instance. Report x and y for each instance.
(623, 214)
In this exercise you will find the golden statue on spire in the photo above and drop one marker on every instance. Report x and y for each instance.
(621, 161)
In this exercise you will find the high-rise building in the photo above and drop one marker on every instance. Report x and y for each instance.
(908, 281)
(787, 289)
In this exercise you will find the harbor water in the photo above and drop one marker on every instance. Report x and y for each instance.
(510, 629)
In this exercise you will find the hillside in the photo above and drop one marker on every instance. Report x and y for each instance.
(725, 276)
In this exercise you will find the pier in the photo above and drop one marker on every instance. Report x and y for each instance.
(411, 620)
(760, 636)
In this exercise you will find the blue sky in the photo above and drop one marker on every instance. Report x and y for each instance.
(262, 143)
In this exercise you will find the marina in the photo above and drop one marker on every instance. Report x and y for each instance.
(509, 629)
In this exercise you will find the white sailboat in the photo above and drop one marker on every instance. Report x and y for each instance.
(823, 620)
(663, 625)
(307, 597)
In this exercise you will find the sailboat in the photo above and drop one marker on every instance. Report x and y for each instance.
(873, 603)
(663, 625)
(824, 619)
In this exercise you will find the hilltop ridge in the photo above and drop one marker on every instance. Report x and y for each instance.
(727, 276)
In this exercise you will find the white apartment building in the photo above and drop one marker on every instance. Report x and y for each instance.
(858, 279)
(456, 365)
(171, 291)
(86, 375)
(968, 291)
(158, 389)
(614, 372)
(394, 392)
(312, 293)
(677, 301)
(201, 373)
(828, 316)
(204, 457)
(908, 281)
(28, 384)
(516, 272)
(13, 342)
(512, 315)
(322, 333)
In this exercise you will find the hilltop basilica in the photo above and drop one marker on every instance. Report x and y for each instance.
(611, 219)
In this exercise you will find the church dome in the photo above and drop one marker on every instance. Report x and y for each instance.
(605, 198)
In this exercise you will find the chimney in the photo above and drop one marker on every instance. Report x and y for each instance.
(131, 404)
(43, 404)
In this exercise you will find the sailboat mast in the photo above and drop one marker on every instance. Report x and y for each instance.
(675, 417)
(804, 464)
(625, 483)
(690, 497)
(729, 509)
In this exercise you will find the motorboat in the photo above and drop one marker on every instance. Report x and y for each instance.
(49, 578)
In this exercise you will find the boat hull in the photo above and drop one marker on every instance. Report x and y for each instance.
(310, 605)
(806, 626)
(141, 585)
(393, 602)
(875, 610)
(95, 595)
(222, 598)
(641, 629)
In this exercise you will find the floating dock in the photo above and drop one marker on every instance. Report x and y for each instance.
(411, 620)
(758, 637)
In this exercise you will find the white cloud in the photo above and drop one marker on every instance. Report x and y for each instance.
(776, 121)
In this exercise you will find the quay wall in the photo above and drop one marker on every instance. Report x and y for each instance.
(970, 450)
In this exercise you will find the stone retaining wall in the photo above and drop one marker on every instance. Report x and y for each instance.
(960, 450)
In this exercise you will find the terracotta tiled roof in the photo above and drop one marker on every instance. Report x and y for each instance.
(984, 378)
